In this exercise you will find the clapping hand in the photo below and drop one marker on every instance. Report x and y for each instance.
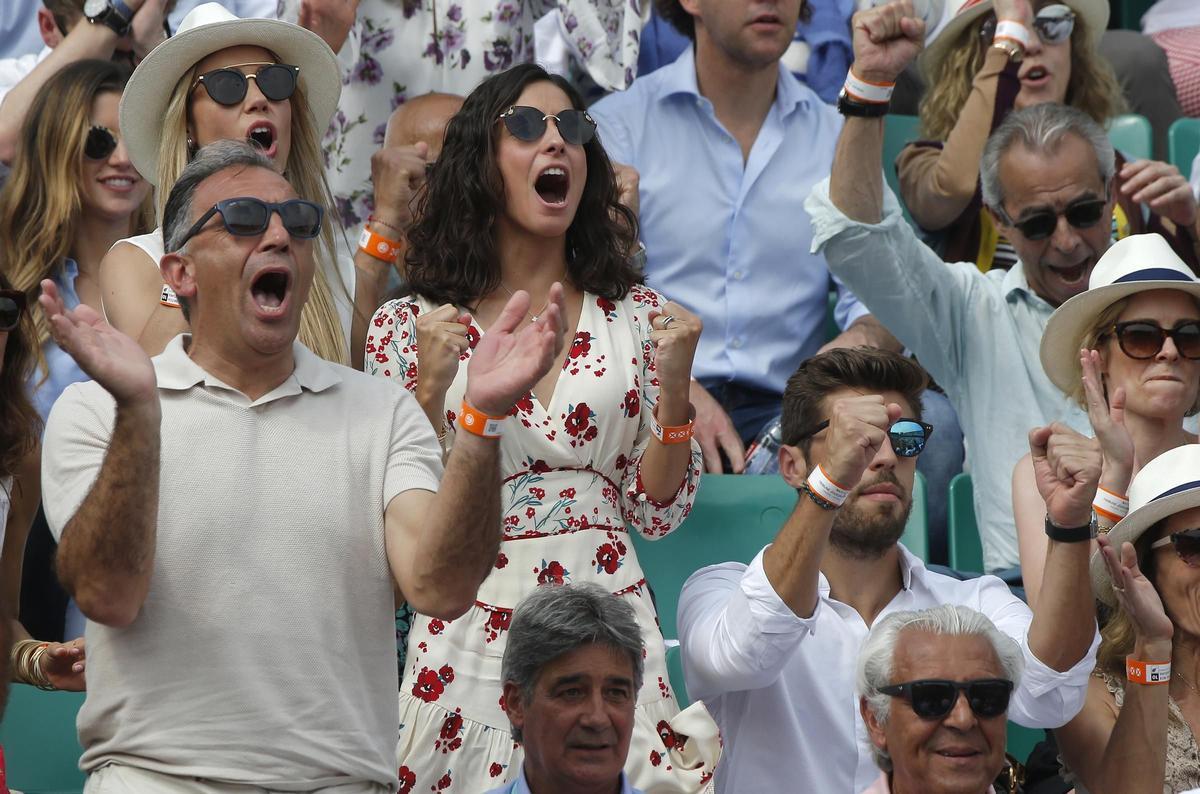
(1108, 421)
(858, 428)
(1162, 187)
(108, 356)
(886, 39)
(514, 354)
(1137, 596)
(1066, 466)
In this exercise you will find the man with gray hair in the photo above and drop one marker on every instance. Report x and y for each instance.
(953, 672)
(572, 670)
(235, 516)
(1047, 176)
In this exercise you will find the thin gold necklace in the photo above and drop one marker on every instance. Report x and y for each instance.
(1187, 683)
(533, 318)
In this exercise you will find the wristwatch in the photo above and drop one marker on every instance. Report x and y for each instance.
(851, 107)
(112, 13)
(1071, 534)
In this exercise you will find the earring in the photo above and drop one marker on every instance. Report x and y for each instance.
(191, 147)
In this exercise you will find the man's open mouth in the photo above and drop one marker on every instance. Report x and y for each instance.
(270, 289)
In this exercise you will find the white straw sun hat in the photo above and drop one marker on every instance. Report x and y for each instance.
(1167, 485)
(209, 28)
(959, 14)
(1134, 264)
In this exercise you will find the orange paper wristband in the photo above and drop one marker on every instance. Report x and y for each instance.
(679, 434)
(382, 248)
(1147, 672)
(479, 423)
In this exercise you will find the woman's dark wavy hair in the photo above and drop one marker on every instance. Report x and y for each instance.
(452, 256)
(20, 425)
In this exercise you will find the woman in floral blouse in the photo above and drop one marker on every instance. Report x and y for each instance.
(523, 197)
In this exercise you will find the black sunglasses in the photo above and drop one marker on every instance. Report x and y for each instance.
(529, 124)
(1053, 25)
(228, 85)
(1142, 339)
(1082, 215)
(1186, 543)
(246, 217)
(99, 144)
(933, 699)
(12, 305)
(908, 436)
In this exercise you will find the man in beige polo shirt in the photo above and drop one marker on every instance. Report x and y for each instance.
(233, 516)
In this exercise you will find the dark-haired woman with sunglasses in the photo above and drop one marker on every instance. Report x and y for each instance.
(49, 665)
(1137, 731)
(523, 197)
(992, 58)
(1127, 351)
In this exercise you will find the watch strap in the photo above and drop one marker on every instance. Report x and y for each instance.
(849, 107)
(1071, 534)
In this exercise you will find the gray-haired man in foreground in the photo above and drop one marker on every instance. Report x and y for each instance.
(233, 516)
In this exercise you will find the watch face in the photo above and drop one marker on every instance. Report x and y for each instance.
(94, 8)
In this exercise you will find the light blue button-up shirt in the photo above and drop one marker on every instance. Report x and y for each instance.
(521, 786)
(977, 334)
(62, 369)
(730, 239)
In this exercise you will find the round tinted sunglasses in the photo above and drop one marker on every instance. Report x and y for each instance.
(1186, 543)
(12, 305)
(1053, 25)
(932, 699)
(1038, 226)
(529, 124)
(1142, 339)
(908, 436)
(228, 85)
(247, 216)
(99, 143)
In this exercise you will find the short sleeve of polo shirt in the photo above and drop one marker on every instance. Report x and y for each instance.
(78, 432)
(414, 455)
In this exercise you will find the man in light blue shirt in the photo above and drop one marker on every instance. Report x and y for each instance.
(978, 334)
(728, 144)
(572, 669)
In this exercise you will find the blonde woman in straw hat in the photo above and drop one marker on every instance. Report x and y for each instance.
(1128, 350)
(991, 58)
(276, 85)
(1137, 730)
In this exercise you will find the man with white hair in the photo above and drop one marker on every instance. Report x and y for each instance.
(912, 671)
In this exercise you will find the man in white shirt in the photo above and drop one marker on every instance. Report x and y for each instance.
(769, 647)
(236, 516)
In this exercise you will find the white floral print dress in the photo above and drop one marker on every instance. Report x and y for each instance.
(571, 485)
(399, 49)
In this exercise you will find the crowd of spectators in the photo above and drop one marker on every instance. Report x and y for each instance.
(345, 346)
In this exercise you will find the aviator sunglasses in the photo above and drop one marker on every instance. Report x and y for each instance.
(1186, 543)
(1053, 25)
(1082, 214)
(12, 304)
(247, 216)
(228, 85)
(908, 436)
(1142, 339)
(933, 699)
(99, 143)
(529, 124)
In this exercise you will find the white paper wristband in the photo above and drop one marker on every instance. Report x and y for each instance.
(1013, 31)
(824, 486)
(864, 91)
(1109, 505)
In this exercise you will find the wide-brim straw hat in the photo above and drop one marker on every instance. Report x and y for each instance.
(959, 14)
(210, 28)
(1167, 485)
(1137, 263)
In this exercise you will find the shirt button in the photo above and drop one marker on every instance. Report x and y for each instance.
(739, 274)
(736, 343)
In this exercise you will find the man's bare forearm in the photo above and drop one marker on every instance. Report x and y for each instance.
(856, 183)
(106, 555)
(1063, 627)
(462, 534)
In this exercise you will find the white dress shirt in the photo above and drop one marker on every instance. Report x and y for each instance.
(781, 687)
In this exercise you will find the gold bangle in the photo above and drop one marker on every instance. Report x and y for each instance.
(37, 675)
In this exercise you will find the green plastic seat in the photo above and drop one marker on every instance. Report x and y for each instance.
(1183, 143)
(1021, 741)
(966, 550)
(1132, 135)
(675, 672)
(41, 746)
(733, 518)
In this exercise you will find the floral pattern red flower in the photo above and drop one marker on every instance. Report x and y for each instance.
(552, 573)
(429, 687)
(632, 404)
(408, 779)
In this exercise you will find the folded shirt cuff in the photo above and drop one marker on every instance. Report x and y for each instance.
(767, 609)
(1038, 678)
(829, 221)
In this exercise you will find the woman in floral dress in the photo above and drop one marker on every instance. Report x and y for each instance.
(523, 197)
